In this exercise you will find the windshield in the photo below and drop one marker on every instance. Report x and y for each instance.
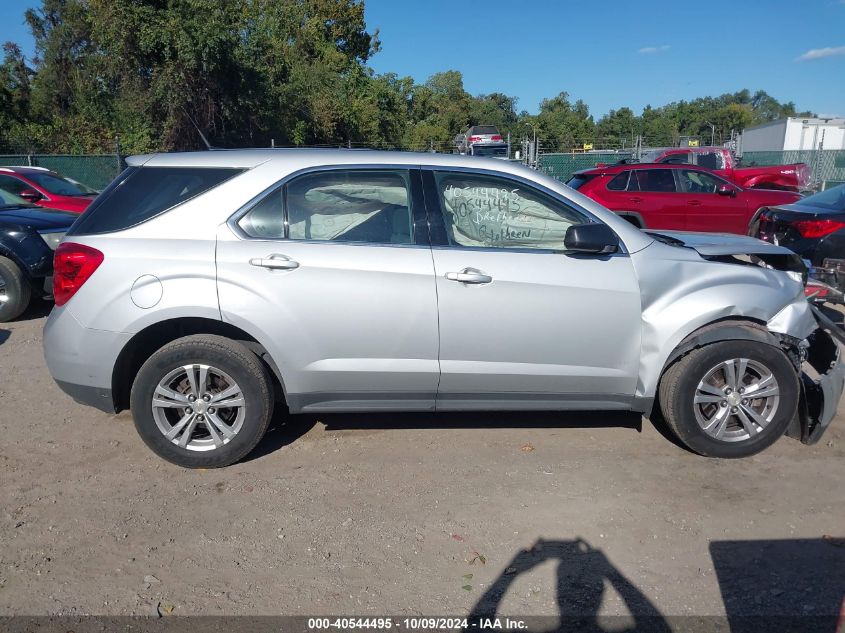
(832, 199)
(59, 185)
(11, 200)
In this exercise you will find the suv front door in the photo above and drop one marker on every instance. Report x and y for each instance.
(333, 272)
(522, 324)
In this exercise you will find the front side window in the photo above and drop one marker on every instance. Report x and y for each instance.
(699, 182)
(493, 212)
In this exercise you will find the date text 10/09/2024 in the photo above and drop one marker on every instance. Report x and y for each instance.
(418, 624)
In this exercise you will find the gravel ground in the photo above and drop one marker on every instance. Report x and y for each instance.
(405, 514)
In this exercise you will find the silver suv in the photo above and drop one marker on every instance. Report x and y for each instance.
(203, 290)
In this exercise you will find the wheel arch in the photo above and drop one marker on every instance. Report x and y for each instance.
(153, 337)
(726, 329)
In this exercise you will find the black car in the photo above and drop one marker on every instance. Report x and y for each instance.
(28, 237)
(814, 228)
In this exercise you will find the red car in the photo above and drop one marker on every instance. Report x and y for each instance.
(676, 197)
(46, 188)
(720, 161)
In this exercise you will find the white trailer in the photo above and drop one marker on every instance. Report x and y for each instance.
(793, 134)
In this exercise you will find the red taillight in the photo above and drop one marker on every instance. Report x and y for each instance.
(73, 264)
(474, 139)
(496, 137)
(817, 228)
(817, 290)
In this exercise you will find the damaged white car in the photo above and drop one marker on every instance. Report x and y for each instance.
(202, 290)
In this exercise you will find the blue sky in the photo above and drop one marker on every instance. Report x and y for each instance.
(611, 53)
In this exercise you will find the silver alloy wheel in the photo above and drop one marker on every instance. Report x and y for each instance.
(736, 400)
(198, 407)
(4, 297)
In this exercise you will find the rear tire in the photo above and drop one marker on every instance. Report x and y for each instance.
(707, 398)
(15, 291)
(202, 401)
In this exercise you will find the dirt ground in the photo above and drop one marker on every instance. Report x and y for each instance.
(405, 514)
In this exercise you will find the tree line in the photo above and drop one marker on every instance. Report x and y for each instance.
(151, 73)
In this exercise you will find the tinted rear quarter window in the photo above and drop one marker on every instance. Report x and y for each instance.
(140, 194)
(619, 182)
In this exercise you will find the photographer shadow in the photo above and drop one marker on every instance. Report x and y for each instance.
(582, 572)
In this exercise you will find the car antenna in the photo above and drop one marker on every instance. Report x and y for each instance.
(208, 145)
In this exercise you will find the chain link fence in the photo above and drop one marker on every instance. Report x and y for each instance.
(94, 170)
(562, 166)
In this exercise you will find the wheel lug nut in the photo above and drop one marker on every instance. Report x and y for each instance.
(188, 410)
(728, 390)
(723, 403)
(733, 410)
(742, 390)
(745, 401)
(211, 409)
(206, 397)
(192, 398)
(200, 418)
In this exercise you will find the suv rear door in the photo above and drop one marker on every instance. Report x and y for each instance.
(653, 194)
(334, 267)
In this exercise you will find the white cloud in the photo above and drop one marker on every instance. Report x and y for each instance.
(650, 50)
(819, 53)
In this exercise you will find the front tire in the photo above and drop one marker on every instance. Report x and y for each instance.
(202, 401)
(15, 291)
(730, 399)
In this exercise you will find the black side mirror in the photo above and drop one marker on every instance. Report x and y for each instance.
(593, 238)
(31, 195)
(726, 190)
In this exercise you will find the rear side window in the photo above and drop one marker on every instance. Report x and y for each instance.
(657, 180)
(139, 194)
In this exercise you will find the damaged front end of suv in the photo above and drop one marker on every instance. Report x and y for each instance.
(765, 287)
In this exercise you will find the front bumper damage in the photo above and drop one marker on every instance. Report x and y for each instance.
(820, 395)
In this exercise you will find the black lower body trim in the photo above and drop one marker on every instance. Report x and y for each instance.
(97, 397)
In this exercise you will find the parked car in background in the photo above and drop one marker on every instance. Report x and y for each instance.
(478, 135)
(794, 177)
(814, 228)
(28, 237)
(676, 197)
(339, 280)
(46, 188)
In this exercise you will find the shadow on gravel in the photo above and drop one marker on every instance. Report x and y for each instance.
(781, 585)
(4, 336)
(582, 574)
(286, 429)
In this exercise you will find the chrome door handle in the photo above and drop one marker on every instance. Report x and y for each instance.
(469, 276)
(275, 262)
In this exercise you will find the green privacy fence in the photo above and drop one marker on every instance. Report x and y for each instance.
(94, 170)
(562, 166)
(827, 166)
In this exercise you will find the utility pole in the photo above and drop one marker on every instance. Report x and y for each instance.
(712, 132)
